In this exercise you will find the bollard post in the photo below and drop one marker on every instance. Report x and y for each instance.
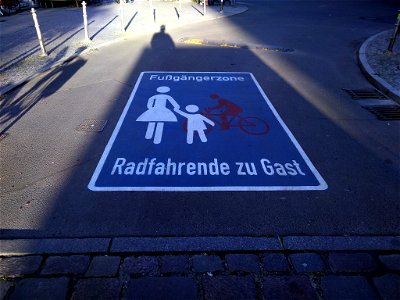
(121, 13)
(204, 8)
(39, 34)
(222, 6)
(394, 35)
(85, 22)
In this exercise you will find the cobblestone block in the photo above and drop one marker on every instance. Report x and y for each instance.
(242, 262)
(145, 265)
(388, 286)
(174, 264)
(275, 262)
(351, 263)
(391, 262)
(307, 262)
(162, 288)
(346, 287)
(18, 266)
(103, 266)
(97, 288)
(206, 263)
(74, 264)
(4, 287)
(229, 287)
(288, 287)
(41, 289)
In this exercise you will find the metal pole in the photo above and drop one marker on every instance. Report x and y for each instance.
(39, 34)
(222, 6)
(204, 8)
(85, 22)
(121, 6)
(394, 35)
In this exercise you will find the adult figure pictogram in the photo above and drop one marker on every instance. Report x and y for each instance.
(158, 113)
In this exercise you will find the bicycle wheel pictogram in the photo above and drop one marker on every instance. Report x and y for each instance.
(253, 125)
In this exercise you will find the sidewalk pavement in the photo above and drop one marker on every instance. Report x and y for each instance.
(292, 267)
(63, 32)
(380, 67)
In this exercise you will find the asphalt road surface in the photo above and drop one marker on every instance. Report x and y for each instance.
(46, 164)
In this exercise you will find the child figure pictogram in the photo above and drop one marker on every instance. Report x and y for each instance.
(195, 123)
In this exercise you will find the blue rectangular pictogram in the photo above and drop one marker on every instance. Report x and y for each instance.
(202, 131)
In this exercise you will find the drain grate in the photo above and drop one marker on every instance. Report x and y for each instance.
(365, 94)
(385, 113)
(92, 125)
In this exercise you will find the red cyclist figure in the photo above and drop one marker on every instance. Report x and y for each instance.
(229, 109)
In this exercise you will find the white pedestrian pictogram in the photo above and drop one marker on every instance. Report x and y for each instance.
(157, 113)
(195, 123)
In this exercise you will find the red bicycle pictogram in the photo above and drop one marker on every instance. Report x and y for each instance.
(226, 115)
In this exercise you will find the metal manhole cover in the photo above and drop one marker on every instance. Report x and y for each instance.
(386, 113)
(365, 94)
(92, 125)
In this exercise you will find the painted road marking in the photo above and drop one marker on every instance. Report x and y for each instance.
(230, 44)
(202, 131)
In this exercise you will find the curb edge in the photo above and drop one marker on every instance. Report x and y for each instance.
(369, 73)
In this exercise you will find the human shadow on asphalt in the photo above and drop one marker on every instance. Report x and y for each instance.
(162, 40)
(363, 192)
(15, 106)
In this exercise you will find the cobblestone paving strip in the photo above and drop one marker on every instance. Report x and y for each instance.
(338, 273)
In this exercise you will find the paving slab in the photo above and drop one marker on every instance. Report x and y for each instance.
(388, 286)
(97, 288)
(342, 243)
(347, 287)
(42, 246)
(288, 287)
(19, 266)
(307, 262)
(140, 265)
(391, 262)
(351, 262)
(193, 244)
(74, 264)
(174, 263)
(229, 287)
(242, 263)
(162, 288)
(103, 266)
(41, 288)
(275, 262)
(207, 263)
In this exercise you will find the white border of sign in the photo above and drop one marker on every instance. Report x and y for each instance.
(92, 184)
